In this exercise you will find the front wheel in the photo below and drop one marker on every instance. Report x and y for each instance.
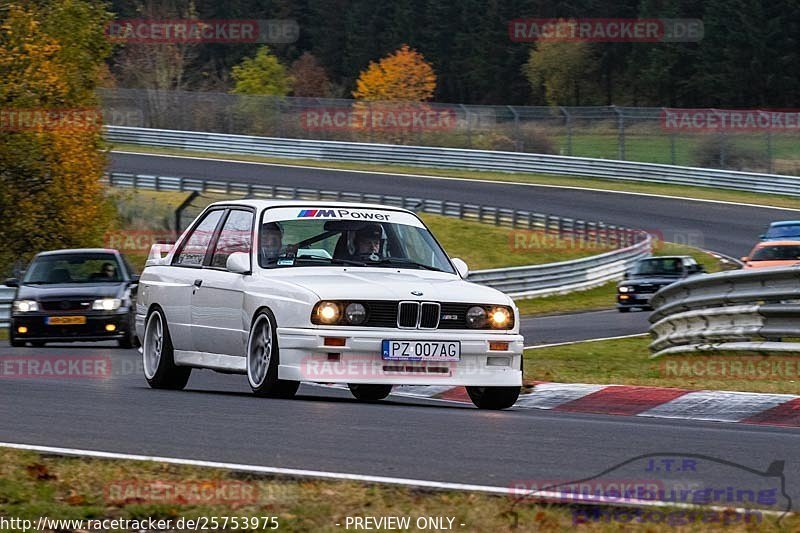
(160, 369)
(263, 358)
(493, 397)
(369, 393)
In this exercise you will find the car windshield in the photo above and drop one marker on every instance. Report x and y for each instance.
(74, 268)
(777, 253)
(660, 267)
(783, 232)
(314, 242)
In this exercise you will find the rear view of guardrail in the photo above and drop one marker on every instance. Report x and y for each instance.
(518, 282)
(456, 158)
(741, 311)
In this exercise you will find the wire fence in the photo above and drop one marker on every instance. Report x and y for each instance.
(647, 134)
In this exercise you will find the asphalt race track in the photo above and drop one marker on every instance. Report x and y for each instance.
(217, 419)
(729, 229)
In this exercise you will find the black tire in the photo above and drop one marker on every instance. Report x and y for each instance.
(624, 309)
(493, 397)
(165, 373)
(369, 393)
(263, 358)
(129, 341)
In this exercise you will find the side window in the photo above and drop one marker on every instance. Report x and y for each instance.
(236, 236)
(194, 249)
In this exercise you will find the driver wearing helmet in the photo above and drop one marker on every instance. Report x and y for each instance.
(366, 243)
(271, 242)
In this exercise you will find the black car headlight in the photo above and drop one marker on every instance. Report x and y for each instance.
(25, 306)
(625, 288)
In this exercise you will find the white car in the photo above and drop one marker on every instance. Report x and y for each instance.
(332, 293)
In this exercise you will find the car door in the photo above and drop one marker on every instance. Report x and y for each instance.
(178, 282)
(218, 322)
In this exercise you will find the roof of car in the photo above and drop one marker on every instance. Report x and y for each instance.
(263, 204)
(785, 223)
(80, 251)
(789, 242)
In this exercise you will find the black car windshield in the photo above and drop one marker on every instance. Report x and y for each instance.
(658, 267)
(54, 269)
(783, 232)
(777, 253)
(314, 242)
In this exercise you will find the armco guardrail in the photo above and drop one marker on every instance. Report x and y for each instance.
(456, 158)
(6, 297)
(527, 281)
(738, 311)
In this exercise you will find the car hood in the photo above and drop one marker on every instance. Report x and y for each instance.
(651, 280)
(339, 283)
(71, 291)
(769, 264)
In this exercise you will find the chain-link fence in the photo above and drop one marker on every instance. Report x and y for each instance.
(704, 138)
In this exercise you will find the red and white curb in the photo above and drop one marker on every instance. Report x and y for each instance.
(628, 400)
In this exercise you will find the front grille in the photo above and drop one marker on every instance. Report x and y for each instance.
(408, 314)
(429, 315)
(66, 305)
(646, 289)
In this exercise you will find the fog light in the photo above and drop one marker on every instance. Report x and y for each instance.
(111, 327)
(497, 346)
(334, 341)
(623, 296)
(22, 329)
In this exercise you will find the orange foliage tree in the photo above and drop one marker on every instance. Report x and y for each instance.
(403, 75)
(51, 158)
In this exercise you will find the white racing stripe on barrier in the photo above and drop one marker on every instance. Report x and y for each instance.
(718, 406)
(551, 395)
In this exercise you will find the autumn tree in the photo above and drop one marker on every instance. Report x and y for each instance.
(310, 78)
(51, 54)
(402, 75)
(262, 74)
(558, 71)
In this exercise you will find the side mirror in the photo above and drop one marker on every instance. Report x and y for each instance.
(238, 262)
(461, 268)
(745, 259)
(11, 282)
(626, 275)
(134, 278)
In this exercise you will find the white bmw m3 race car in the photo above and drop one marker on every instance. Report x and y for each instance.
(291, 291)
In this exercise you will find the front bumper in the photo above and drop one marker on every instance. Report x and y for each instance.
(304, 357)
(93, 330)
(634, 300)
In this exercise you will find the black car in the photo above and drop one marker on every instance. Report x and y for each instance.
(74, 295)
(651, 274)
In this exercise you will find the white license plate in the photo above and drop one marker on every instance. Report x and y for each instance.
(421, 350)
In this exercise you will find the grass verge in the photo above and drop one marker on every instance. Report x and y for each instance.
(34, 485)
(627, 362)
(701, 193)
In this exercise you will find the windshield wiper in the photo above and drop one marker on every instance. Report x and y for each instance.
(398, 261)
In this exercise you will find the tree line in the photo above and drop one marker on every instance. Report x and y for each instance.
(748, 55)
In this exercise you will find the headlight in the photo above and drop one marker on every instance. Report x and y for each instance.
(107, 304)
(500, 317)
(355, 313)
(326, 313)
(625, 289)
(476, 317)
(25, 306)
